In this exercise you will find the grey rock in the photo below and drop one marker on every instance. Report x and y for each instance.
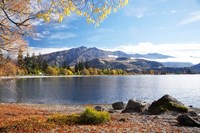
(135, 106)
(167, 103)
(186, 120)
(118, 105)
(99, 108)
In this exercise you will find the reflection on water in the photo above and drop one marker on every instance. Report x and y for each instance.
(101, 89)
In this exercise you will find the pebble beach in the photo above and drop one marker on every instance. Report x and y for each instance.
(32, 118)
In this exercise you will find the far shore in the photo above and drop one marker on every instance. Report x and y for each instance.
(43, 76)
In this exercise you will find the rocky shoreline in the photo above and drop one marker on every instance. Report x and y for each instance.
(124, 118)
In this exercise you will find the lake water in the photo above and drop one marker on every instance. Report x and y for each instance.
(101, 89)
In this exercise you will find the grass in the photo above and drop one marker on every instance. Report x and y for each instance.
(89, 116)
(62, 119)
(173, 106)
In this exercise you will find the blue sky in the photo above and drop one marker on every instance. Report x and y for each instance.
(143, 26)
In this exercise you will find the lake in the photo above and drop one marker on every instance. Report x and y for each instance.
(101, 89)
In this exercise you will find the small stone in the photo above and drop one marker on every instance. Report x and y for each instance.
(112, 111)
(122, 119)
(99, 108)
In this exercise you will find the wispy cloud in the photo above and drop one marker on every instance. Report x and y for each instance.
(173, 11)
(61, 36)
(39, 36)
(132, 11)
(98, 34)
(94, 38)
(61, 26)
(104, 30)
(191, 18)
(38, 51)
(37, 22)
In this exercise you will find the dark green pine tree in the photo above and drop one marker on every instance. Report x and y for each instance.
(20, 60)
(44, 66)
(28, 63)
(80, 66)
(34, 65)
(39, 62)
(76, 68)
(87, 66)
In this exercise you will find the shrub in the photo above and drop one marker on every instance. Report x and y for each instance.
(89, 116)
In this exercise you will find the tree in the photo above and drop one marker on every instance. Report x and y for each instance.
(13, 20)
(27, 61)
(52, 71)
(8, 69)
(44, 65)
(20, 60)
(16, 16)
(87, 66)
(80, 66)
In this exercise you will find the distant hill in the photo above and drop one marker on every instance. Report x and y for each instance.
(150, 56)
(83, 54)
(195, 68)
(124, 63)
(177, 64)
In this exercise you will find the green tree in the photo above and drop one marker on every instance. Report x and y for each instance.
(28, 63)
(44, 65)
(80, 66)
(20, 60)
(87, 66)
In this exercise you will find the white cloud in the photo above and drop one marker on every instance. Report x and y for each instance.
(61, 26)
(37, 50)
(182, 52)
(173, 11)
(38, 36)
(104, 30)
(62, 35)
(94, 38)
(136, 12)
(191, 18)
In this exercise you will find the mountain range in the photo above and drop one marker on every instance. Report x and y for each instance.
(115, 60)
(74, 55)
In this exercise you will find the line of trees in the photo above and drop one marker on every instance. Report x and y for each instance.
(36, 65)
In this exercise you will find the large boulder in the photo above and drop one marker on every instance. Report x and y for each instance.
(118, 105)
(167, 103)
(135, 106)
(186, 120)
